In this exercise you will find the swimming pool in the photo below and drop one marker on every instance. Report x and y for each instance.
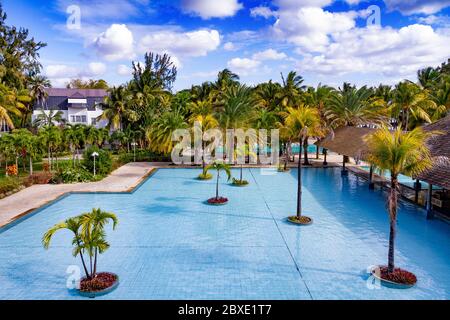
(170, 245)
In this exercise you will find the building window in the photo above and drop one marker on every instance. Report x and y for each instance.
(93, 121)
(78, 119)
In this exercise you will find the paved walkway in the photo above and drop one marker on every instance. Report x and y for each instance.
(121, 180)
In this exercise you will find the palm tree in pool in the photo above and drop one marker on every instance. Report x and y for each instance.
(219, 166)
(242, 152)
(300, 123)
(399, 152)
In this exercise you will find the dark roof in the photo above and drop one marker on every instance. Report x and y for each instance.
(82, 93)
(347, 141)
(439, 145)
(57, 98)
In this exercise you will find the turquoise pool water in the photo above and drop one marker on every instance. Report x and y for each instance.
(170, 245)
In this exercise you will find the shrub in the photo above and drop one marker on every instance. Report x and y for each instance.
(103, 163)
(12, 170)
(39, 178)
(8, 184)
(73, 175)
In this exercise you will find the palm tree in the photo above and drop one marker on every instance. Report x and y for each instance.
(115, 106)
(234, 110)
(352, 107)
(89, 236)
(36, 86)
(300, 123)
(428, 77)
(92, 228)
(219, 166)
(73, 225)
(11, 103)
(410, 100)
(159, 135)
(292, 89)
(92, 135)
(242, 152)
(49, 118)
(51, 136)
(399, 152)
(268, 96)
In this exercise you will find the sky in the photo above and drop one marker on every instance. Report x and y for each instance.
(326, 41)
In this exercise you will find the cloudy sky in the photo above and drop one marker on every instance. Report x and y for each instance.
(324, 40)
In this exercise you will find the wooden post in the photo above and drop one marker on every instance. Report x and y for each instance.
(371, 183)
(344, 171)
(417, 188)
(430, 214)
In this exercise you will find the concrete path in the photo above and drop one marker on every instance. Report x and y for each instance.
(121, 180)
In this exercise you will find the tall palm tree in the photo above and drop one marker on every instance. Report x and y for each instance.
(399, 152)
(235, 108)
(11, 103)
(300, 123)
(52, 138)
(268, 96)
(428, 77)
(36, 86)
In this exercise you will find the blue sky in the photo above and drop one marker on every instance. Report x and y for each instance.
(323, 40)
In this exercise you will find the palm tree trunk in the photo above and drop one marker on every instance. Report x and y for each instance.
(31, 166)
(299, 183)
(217, 185)
(82, 261)
(305, 151)
(49, 159)
(241, 173)
(393, 220)
(95, 263)
(317, 150)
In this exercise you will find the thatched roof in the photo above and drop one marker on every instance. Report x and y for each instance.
(347, 141)
(439, 145)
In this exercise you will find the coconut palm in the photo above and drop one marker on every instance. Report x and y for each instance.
(399, 152)
(300, 123)
(115, 106)
(352, 107)
(159, 135)
(411, 101)
(268, 96)
(11, 103)
(219, 166)
(242, 152)
(234, 110)
(292, 89)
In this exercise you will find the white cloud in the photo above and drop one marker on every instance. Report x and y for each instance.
(387, 51)
(262, 11)
(295, 4)
(310, 27)
(123, 70)
(417, 6)
(243, 66)
(115, 43)
(207, 9)
(183, 44)
(61, 74)
(269, 54)
(96, 69)
(229, 46)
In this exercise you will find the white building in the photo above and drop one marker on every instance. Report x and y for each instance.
(78, 106)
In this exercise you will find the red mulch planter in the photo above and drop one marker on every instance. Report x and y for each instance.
(218, 201)
(399, 276)
(102, 281)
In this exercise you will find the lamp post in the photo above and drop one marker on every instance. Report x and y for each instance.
(134, 144)
(95, 155)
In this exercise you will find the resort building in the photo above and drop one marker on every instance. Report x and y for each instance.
(78, 106)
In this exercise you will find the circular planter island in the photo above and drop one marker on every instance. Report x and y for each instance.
(103, 283)
(202, 176)
(219, 201)
(303, 221)
(239, 183)
(399, 279)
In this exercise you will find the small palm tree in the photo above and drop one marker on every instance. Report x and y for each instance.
(89, 237)
(300, 123)
(243, 151)
(219, 166)
(398, 152)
